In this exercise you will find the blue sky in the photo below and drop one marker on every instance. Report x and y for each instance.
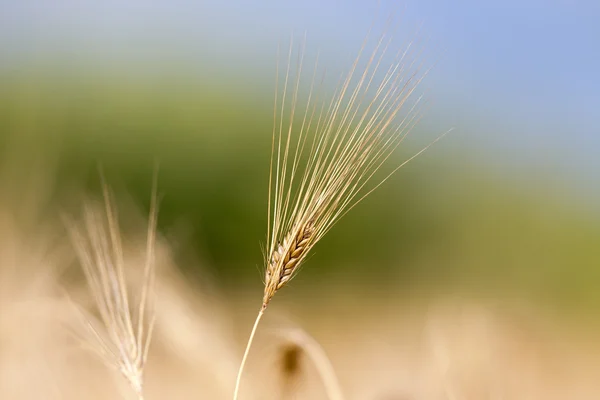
(518, 79)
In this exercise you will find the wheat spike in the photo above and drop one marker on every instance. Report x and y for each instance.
(286, 257)
(122, 336)
(299, 343)
(315, 182)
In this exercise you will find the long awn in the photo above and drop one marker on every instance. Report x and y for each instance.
(314, 181)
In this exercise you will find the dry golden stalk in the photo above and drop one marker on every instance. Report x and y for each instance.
(314, 182)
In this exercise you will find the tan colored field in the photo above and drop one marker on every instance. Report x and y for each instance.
(418, 345)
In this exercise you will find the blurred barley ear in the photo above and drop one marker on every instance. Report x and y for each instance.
(313, 182)
(123, 333)
(299, 344)
(290, 359)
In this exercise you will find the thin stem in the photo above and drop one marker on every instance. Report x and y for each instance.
(248, 345)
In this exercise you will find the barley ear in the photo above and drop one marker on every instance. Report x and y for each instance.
(286, 258)
(316, 354)
(123, 333)
(314, 182)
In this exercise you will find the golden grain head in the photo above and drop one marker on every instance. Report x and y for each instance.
(286, 257)
(326, 154)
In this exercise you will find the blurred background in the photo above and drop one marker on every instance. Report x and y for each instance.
(509, 197)
(506, 203)
(509, 200)
(504, 210)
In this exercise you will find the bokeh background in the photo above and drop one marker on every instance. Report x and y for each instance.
(508, 203)
(474, 271)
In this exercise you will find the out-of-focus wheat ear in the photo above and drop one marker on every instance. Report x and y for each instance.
(122, 335)
(303, 343)
(290, 362)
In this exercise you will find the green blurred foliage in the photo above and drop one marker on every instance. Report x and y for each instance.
(442, 221)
